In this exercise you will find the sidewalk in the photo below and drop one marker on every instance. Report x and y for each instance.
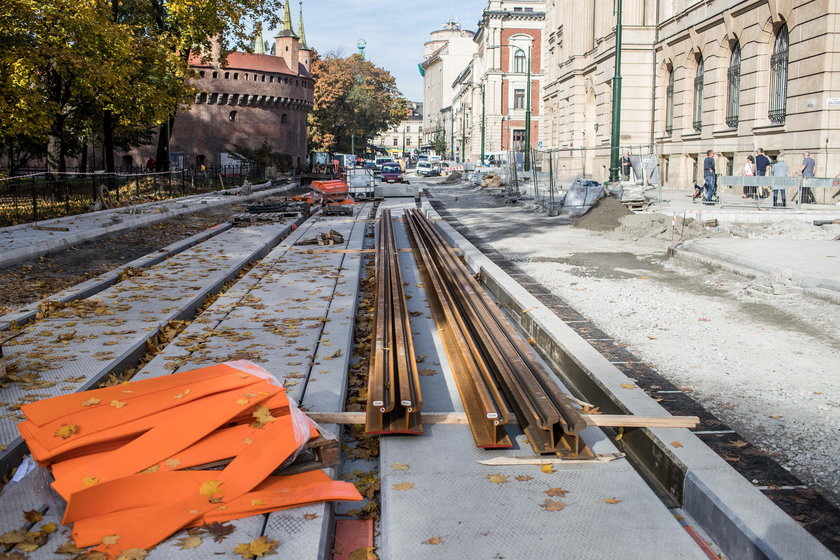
(27, 241)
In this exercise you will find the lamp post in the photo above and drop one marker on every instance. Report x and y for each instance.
(483, 119)
(615, 133)
(527, 100)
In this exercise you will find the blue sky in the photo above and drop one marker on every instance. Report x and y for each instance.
(395, 31)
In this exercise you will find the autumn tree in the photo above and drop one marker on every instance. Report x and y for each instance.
(353, 100)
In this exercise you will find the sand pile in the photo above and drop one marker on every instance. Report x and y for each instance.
(658, 226)
(454, 177)
(604, 216)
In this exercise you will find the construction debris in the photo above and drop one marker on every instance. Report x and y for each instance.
(138, 461)
(331, 238)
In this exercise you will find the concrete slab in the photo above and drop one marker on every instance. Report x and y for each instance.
(795, 262)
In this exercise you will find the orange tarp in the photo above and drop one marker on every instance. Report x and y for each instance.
(118, 454)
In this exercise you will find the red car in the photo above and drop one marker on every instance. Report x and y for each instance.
(392, 172)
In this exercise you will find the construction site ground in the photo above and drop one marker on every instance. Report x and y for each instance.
(249, 292)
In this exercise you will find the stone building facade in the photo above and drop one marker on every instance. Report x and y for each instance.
(255, 98)
(491, 90)
(727, 75)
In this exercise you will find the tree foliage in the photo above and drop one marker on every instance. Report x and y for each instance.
(353, 97)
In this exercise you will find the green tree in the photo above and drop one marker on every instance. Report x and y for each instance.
(439, 143)
(353, 100)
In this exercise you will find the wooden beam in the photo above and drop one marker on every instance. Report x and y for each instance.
(600, 420)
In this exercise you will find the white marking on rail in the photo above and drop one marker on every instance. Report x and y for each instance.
(711, 432)
(801, 487)
(668, 392)
(626, 362)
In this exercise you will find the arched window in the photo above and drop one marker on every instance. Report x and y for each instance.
(698, 97)
(201, 74)
(669, 103)
(215, 75)
(236, 75)
(232, 116)
(227, 75)
(778, 77)
(284, 118)
(519, 62)
(733, 77)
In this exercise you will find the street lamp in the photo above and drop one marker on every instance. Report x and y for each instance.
(615, 133)
(527, 101)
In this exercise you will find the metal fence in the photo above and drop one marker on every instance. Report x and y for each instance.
(770, 191)
(36, 194)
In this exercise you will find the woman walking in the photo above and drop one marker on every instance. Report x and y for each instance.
(749, 171)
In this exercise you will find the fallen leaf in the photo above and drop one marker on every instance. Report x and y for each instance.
(28, 547)
(111, 539)
(89, 481)
(66, 431)
(310, 516)
(33, 516)
(776, 416)
(676, 444)
(262, 416)
(182, 394)
(69, 548)
(257, 502)
(524, 478)
(49, 528)
(400, 466)
(497, 478)
(220, 531)
(210, 487)
(173, 463)
(556, 492)
(532, 341)
(242, 402)
(553, 505)
(704, 319)
(247, 441)
(739, 443)
(118, 404)
(433, 540)
(612, 501)
(133, 554)
(403, 486)
(259, 548)
(365, 553)
(91, 401)
(185, 543)
(427, 372)
(549, 468)
(629, 386)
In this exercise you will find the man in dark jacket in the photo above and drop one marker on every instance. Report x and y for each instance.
(709, 175)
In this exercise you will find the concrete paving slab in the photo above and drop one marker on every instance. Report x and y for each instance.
(795, 262)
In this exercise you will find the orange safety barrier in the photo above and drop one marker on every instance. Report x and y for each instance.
(119, 454)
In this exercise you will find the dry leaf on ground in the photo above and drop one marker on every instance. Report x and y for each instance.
(497, 478)
(611, 501)
(553, 505)
(556, 492)
(33, 516)
(400, 466)
(111, 539)
(676, 444)
(739, 443)
(433, 540)
(210, 487)
(524, 478)
(549, 468)
(133, 554)
(403, 486)
(258, 548)
(629, 386)
(65, 432)
(310, 516)
(220, 531)
(192, 541)
(363, 554)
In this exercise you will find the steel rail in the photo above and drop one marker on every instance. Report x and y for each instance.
(548, 416)
(394, 397)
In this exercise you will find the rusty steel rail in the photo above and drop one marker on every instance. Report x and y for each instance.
(394, 399)
(490, 358)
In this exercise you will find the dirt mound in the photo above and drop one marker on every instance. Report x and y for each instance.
(491, 181)
(604, 216)
(454, 177)
(656, 225)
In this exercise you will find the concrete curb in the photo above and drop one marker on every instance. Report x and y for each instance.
(43, 247)
(739, 518)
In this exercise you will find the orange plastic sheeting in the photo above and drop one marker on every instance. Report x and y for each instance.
(93, 414)
(56, 408)
(194, 421)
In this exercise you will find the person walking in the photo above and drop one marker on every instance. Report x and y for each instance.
(748, 171)
(709, 176)
(762, 168)
(779, 169)
(807, 170)
(625, 165)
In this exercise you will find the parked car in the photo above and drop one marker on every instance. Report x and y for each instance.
(392, 172)
(426, 169)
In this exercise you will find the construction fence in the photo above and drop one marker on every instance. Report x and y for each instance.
(33, 195)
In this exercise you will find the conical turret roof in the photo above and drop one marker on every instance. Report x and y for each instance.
(301, 32)
(286, 25)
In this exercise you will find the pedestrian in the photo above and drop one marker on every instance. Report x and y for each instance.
(150, 164)
(625, 165)
(762, 162)
(779, 169)
(709, 176)
(807, 170)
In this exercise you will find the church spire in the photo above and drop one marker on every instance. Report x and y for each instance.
(286, 25)
(301, 32)
(259, 42)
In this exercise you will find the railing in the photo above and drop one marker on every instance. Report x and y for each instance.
(36, 194)
(797, 190)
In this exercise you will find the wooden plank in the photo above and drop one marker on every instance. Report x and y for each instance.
(601, 420)
(50, 228)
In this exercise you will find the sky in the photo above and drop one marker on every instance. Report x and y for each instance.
(394, 30)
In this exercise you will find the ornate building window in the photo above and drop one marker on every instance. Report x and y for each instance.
(733, 81)
(519, 99)
(669, 103)
(778, 77)
(698, 97)
(519, 62)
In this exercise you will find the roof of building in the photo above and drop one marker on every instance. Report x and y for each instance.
(286, 25)
(254, 62)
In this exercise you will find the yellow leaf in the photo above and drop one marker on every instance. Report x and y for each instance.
(310, 516)
(532, 341)
(3, 447)
(740, 443)
(153, 468)
(210, 488)
(549, 468)
(363, 554)
(433, 540)
(69, 548)
(91, 401)
(33, 516)
(629, 386)
(676, 444)
(111, 539)
(89, 481)
(28, 547)
(186, 543)
(182, 394)
(242, 402)
(247, 441)
(403, 486)
(133, 554)
(49, 528)
(257, 502)
(118, 404)
(497, 478)
(173, 463)
(263, 416)
(66, 431)
(258, 548)
(400, 466)
(612, 501)
(553, 505)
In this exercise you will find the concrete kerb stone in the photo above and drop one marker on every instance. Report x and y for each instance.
(49, 245)
(711, 503)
